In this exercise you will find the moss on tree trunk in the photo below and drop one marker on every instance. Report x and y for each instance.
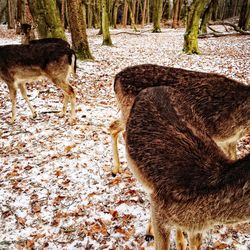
(47, 17)
(105, 24)
(192, 26)
(157, 14)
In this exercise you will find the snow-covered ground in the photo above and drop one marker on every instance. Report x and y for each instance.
(56, 189)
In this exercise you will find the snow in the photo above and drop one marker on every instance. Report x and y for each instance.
(56, 188)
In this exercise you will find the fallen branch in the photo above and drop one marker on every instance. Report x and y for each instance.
(236, 28)
(215, 34)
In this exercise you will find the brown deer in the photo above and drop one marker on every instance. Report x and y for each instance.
(28, 37)
(222, 103)
(27, 33)
(22, 63)
(191, 183)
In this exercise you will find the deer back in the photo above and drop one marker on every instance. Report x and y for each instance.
(222, 103)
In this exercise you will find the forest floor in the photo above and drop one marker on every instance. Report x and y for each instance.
(56, 188)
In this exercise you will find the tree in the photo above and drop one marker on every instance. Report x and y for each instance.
(125, 14)
(11, 14)
(105, 24)
(207, 15)
(244, 22)
(192, 26)
(46, 15)
(176, 13)
(144, 13)
(132, 13)
(78, 29)
(157, 13)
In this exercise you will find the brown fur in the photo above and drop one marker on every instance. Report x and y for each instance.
(22, 63)
(223, 104)
(192, 185)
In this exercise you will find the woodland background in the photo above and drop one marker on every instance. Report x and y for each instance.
(56, 187)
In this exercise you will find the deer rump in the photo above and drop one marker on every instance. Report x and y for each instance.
(191, 183)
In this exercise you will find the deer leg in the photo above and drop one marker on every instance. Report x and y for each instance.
(115, 128)
(22, 88)
(180, 240)
(13, 103)
(149, 231)
(161, 232)
(69, 95)
(195, 241)
(65, 104)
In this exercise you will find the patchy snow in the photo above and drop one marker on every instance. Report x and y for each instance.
(56, 189)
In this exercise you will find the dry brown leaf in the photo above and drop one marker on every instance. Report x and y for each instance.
(68, 148)
(220, 245)
(36, 207)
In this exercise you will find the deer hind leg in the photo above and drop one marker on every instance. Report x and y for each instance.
(115, 128)
(180, 240)
(161, 231)
(195, 241)
(12, 91)
(149, 231)
(69, 96)
(22, 88)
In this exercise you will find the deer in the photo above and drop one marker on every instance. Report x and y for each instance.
(223, 103)
(27, 32)
(191, 183)
(28, 36)
(23, 63)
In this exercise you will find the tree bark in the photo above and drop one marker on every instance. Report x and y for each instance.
(244, 22)
(46, 15)
(132, 17)
(192, 26)
(176, 13)
(125, 14)
(157, 13)
(105, 25)
(144, 13)
(11, 14)
(207, 15)
(78, 30)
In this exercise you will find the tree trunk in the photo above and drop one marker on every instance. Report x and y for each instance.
(20, 11)
(115, 13)
(175, 13)
(144, 13)
(157, 13)
(11, 14)
(125, 14)
(46, 15)
(244, 22)
(132, 17)
(192, 26)
(105, 25)
(207, 15)
(78, 30)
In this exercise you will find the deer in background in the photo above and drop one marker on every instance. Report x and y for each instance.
(222, 103)
(22, 63)
(27, 33)
(191, 183)
(28, 37)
